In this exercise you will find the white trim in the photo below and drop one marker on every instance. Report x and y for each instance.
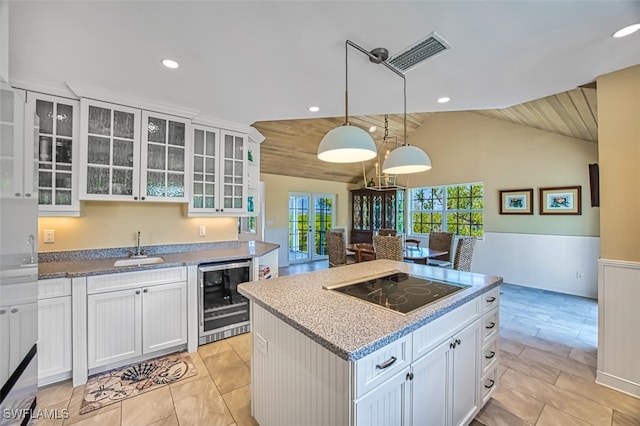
(616, 383)
(621, 263)
(42, 87)
(224, 125)
(83, 91)
(255, 135)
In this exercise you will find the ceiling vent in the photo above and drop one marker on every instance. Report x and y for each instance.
(415, 54)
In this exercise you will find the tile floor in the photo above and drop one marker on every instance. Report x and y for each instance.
(547, 369)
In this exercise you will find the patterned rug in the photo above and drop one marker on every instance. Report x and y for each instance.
(122, 383)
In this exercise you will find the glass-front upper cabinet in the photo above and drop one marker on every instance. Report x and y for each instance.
(164, 157)
(58, 143)
(218, 171)
(132, 155)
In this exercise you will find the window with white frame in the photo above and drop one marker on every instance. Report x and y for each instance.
(451, 208)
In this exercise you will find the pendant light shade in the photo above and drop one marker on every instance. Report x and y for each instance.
(347, 144)
(406, 159)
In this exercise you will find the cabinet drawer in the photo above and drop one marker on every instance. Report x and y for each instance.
(490, 325)
(430, 335)
(126, 280)
(490, 299)
(489, 354)
(488, 384)
(379, 366)
(55, 287)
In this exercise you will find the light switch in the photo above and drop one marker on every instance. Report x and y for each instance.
(203, 231)
(49, 236)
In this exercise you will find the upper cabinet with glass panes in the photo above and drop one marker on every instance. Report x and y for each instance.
(132, 155)
(219, 165)
(58, 146)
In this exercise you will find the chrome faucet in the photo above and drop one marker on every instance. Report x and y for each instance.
(139, 252)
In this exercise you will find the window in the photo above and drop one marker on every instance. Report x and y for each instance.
(248, 224)
(453, 208)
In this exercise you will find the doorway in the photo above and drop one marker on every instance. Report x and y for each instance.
(311, 215)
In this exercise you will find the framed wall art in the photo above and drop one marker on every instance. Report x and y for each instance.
(516, 201)
(561, 200)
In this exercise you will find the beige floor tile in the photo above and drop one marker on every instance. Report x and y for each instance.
(501, 370)
(575, 405)
(562, 363)
(529, 367)
(200, 367)
(228, 371)
(536, 342)
(53, 394)
(620, 419)
(589, 389)
(103, 418)
(242, 345)
(52, 415)
(523, 406)
(493, 415)
(239, 403)
(553, 417)
(74, 408)
(147, 408)
(200, 403)
(214, 348)
(510, 345)
(172, 420)
(586, 357)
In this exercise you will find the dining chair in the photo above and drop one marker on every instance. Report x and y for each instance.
(388, 247)
(442, 241)
(464, 254)
(365, 252)
(412, 242)
(387, 232)
(336, 249)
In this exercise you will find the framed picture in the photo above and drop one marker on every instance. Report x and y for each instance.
(516, 201)
(561, 200)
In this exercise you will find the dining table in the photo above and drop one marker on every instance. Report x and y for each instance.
(414, 254)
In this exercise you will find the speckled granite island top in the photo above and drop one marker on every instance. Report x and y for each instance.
(349, 327)
(101, 261)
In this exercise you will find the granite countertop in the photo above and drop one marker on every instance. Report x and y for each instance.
(97, 262)
(349, 327)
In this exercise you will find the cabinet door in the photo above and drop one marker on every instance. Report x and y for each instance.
(12, 156)
(388, 404)
(465, 374)
(205, 165)
(430, 387)
(54, 336)
(163, 173)
(233, 198)
(58, 134)
(109, 152)
(114, 326)
(164, 316)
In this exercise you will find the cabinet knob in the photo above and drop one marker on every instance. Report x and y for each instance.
(146, 290)
(458, 342)
(17, 194)
(452, 345)
(27, 194)
(142, 198)
(135, 198)
(3, 311)
(137, 291)
(409, 376)
(14, 310)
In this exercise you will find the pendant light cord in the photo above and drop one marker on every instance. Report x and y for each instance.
(346, 83)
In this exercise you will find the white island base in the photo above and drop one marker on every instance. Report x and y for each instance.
(439, 374)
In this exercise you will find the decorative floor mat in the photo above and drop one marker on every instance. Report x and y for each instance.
(115, 385)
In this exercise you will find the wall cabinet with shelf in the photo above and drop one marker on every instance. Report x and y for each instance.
(372, 210)
(132, 155)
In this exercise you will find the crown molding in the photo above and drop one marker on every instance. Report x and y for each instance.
(255, 135)
(83, 91)
(222, 124)
(40, 86)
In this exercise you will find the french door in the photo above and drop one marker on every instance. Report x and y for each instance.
(310, 217)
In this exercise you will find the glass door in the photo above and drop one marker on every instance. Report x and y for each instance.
(310, 217)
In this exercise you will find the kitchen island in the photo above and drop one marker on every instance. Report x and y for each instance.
(322, 357)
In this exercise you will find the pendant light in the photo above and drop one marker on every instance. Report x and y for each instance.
(347, 143)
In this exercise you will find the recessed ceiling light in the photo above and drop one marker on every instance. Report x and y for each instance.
(373, 129)
(314, 108)
(628, 30)
(444, 100)
(170, 63)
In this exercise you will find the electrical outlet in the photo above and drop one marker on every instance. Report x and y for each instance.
(203, 231)
(261, 344)
(578, 274)
(49, 236)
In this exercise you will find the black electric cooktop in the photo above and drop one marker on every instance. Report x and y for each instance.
(399, 292)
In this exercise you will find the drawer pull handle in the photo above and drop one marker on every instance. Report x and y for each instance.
(490, 326)
(491, 355)
(490, 385)
(387, 363)
(491, 299)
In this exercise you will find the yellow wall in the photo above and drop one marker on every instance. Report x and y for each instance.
(619, 151)
(114, 224)
(465, 147)
(277, 190)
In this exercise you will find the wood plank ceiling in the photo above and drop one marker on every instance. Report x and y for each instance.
(290, 146)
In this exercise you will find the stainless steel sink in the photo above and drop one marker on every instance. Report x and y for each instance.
(138, 261)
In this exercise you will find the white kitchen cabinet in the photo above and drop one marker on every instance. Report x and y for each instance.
(54, 330)
(134, 314)
(17, 325)
(219, 164)
(18, 160)
(388, 404)
(58, 142)
(132, 155)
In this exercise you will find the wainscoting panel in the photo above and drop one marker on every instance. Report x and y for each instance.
(566, 264)
(279, 236)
